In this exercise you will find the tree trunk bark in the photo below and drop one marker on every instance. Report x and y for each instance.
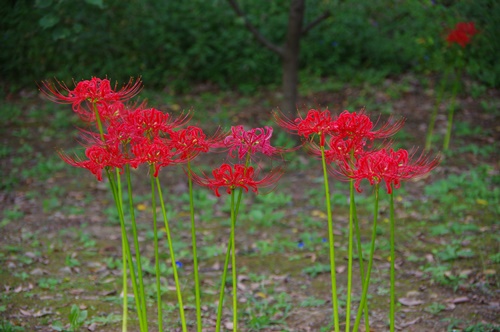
(291, 56)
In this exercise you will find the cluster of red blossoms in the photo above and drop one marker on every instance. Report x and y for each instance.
(139, 135)
(243, 145)
(462, 33)
(346, 141)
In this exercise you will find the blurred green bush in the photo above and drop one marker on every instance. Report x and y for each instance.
(177, 43)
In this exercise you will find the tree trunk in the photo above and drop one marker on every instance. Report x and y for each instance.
(290, 52)
(290, 64)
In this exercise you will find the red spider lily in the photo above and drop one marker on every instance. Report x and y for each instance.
(156, 151)
(191, 141)
(151, 122)
(352, 131)
(389, 166)
(462, 33)
(95, 91)
(339, 149)
(357, 126)
(315, 123)
(237, 176)
(110, 111)
(250, 141)
(99, 157)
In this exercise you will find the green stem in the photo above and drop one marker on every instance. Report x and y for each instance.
(156, 252)
(116, 191)
(226, 261)
(432, 122)
(360, 259)
(233, 265)
(136, 244)
(172, 257)
(99, 122)
(223, 286)
(331, 242)
(350, 254)
(226, 264)
(125, 290)
(393, 262)
(124, 274)
(195, 256)
(451, 111)
(366, 283)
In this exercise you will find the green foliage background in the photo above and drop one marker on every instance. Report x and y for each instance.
(177, 43)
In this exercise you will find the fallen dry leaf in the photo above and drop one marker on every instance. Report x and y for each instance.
(38, 272)
(43, 312)
(26, 313)
(410, 302)
(457, 300)
(411, 322)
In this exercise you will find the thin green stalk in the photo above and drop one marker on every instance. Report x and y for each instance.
(366, 283)
(99, 122)
(223, 286)
(172, 257)
(195, 255)
(226, 264)
(432, 122)
(451, 111)
(125, 290)
(350, 254)
(136, 244)
(116, 191)
(124, 275)
(393, 262)
(360, 257)
(157, 256)
(331, 242)
(233, 265)
(226, 261)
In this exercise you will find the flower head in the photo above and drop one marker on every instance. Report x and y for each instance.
(237, 176)
(316, 122)
(99, 157)
(388, 166)
(151, 122)
(351, 134)
(246, 142)
(157, 152)
(190, 141)
(358, 126)
(462, 33)
(95, 91)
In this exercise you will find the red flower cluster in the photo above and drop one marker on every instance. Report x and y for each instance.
(316, 122)
(389, 166)
(139, 135)
(92, 93)
(462, 33)
(236, 176)
(346, 142)
(128, 136)
(249, 142)
(242, 145)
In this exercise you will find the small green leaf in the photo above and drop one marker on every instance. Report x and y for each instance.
(57, 326)
(43, 3)
(48, 21)
(97, 3)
